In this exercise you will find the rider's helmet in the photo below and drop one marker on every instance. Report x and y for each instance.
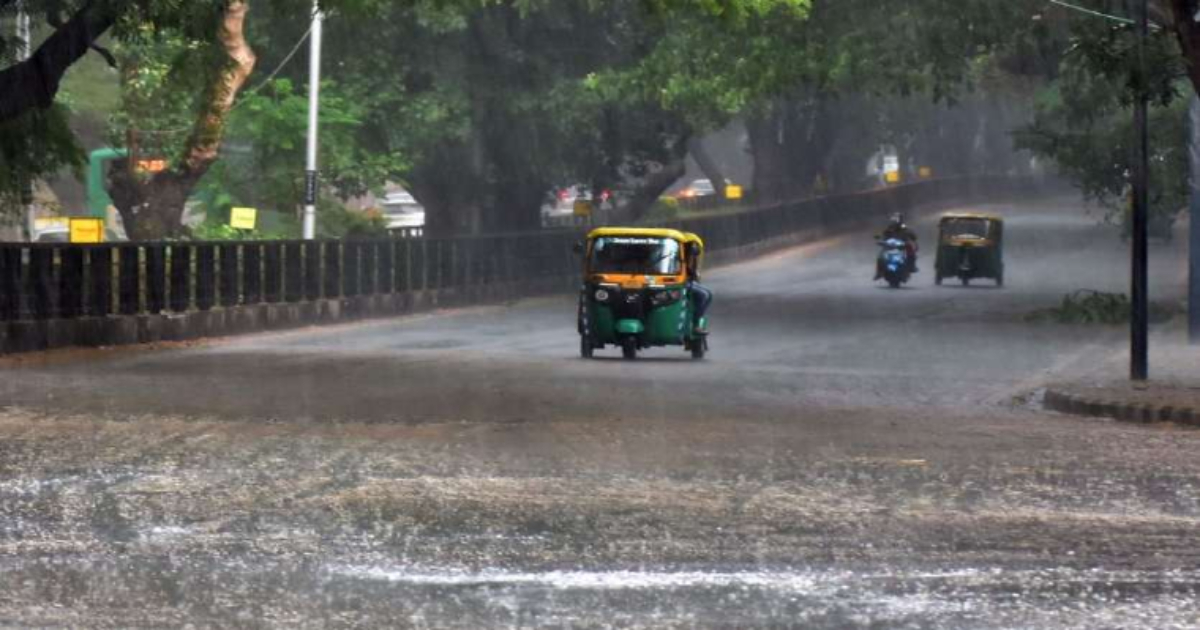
(897, 219)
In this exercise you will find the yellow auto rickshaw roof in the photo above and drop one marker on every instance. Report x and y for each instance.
(650, 232)
(972, 215)
(694, 238)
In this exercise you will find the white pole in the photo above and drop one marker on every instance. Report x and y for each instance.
(24, 50)
(314, 95)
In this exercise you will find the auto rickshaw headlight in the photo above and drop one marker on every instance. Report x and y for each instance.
(601, 295)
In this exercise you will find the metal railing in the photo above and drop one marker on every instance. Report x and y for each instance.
(48, 281)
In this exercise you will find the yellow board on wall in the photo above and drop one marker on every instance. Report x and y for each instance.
(892, 177)
(733, 191)
(243, 218)
(87, 230)
(925, 172)
(582, 208)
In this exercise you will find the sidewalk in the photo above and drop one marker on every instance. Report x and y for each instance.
(1171, 395)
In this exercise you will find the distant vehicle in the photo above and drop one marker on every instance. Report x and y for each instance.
(698, 188)
(564, 200)
(401, 210)
(54, 234)
(970, 246)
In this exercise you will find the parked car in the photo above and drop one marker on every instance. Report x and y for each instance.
(401, 210)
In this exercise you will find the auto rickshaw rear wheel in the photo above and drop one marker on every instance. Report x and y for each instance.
(629, 348)
(586, 349)
(937, 279)
(966, 281)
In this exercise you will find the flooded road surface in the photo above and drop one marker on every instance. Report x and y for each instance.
(847, 457)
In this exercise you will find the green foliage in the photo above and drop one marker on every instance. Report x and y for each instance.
(271, 126)
(34, 145)
(1084, 119)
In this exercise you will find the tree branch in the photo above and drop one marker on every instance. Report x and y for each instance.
(34, 83)
(205, 142)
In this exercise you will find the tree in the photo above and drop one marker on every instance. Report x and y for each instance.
(1084, 121)
(37, 139)
(495, 105)
(152, 205)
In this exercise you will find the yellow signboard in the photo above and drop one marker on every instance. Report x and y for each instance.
(87, 230)
(582, 208)
(243, 218)
(733, 191)
(925, 172)
(892, 177)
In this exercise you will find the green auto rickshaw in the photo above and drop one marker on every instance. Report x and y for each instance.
(970, 246)
(637, 292)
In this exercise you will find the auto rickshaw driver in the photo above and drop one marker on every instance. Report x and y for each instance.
(701, 295)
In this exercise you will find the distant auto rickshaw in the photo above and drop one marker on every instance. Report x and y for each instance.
(637, 292)
(970, 246)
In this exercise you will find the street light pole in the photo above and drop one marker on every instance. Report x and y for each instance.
(1139, 320)
(314, 96)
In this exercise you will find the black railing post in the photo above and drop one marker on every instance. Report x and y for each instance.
(10, 282)
(129, 277)
(70, 281)
(229, 274)
(41, 282)
(252, 271)
(206, 276)
(350, 268)
(293, 269)
(332, 269)
(181, 277)
(385, 262)
(272, 271)
(312, 270)
(100, 270)
(156, 278)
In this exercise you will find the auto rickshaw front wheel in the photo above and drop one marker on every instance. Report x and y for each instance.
(698, 346)
(629, 348)
(586, 349)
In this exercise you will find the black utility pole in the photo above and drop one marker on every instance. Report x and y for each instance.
(1139, 324)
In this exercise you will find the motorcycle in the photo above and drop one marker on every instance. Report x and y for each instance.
(893, 262)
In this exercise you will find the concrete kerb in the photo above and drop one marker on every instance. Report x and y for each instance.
(1062, 401)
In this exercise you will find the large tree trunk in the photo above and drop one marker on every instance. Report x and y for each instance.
(153, 209)
(790, 145)
(34, 82)
(707, 165)
(770, 157)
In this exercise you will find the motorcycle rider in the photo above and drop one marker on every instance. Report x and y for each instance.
(898, 229)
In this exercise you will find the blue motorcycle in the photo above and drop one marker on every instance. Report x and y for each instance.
(892, 264)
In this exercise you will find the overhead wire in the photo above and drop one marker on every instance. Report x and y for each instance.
(1092, 12)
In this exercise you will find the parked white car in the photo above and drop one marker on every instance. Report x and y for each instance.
(401, 210)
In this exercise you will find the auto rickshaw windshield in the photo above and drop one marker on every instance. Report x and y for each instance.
(965, 227)
(636, 255)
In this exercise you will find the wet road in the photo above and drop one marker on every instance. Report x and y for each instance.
(848, 456)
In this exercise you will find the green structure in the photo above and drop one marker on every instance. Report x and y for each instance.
(98, 200)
